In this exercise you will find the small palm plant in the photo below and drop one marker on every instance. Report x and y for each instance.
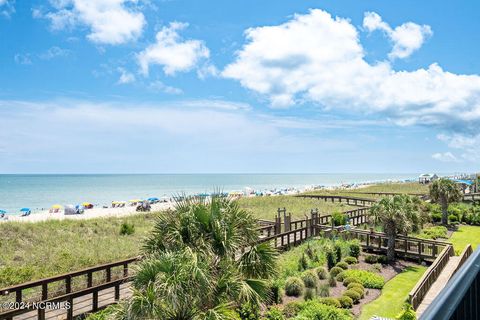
(444, 191)
(201, 261)
(397, 215)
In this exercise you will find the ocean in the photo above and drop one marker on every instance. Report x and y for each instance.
(42, 191)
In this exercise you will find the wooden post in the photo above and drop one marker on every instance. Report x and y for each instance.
(89, 279)
(117, 292)
(108, 274)
(125, 270)
(95, 301)
(18, 296)
(68, 284)
(45, 291)
(287, 220)
(70, 310)
(41, 314)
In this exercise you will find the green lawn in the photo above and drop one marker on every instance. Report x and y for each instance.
(394, 294)
(465, 235)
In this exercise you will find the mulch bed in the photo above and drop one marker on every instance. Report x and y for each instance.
(387, 271)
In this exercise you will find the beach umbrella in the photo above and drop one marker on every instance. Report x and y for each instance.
(135, 200)
(152, 199)
(2, 211)
(86, 204)
(57, 206)
(24, 209)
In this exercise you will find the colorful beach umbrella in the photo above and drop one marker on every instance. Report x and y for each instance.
(135, 200)
(24, 209)
(57, 206)
(153, 199)
(2, 211)
(86, 204)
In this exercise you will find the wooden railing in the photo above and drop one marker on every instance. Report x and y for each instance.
(466, 253)
(348, 200)
(45, 289)
(471, 197)
(459, 299)
(405, 247)
(430, 276)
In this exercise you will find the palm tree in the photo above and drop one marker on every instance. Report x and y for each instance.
(444, 191)
(397, 215)
(200, 262)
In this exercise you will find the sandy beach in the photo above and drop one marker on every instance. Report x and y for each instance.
(88, 214)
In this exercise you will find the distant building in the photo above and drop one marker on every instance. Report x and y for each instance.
(427, 178)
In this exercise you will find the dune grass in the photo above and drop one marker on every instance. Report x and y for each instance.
(266, 207)
(30, 251)
(465, 235)
(394, 294)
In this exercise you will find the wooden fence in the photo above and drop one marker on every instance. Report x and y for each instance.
(355, 201)
(417, 294)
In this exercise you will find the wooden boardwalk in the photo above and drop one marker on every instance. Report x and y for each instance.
(81, 305)
(439, 284)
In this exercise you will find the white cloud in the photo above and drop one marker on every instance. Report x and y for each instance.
(54, 52)
(172, 52)
(319, 59)
(110, 21)
(467, 144)
(406, 38)
(125, 76)
(445, 157)
(159, 86)
(23, 58)
(7, 8)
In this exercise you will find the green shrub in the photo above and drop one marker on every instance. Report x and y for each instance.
(436, 217)
(376, 267)
(351, 260)
(310, 279)
(321, 273)
(383, 259)
(302, 263)
(275, 292)
(371, 258)
(127, 229)
(354, 295)
(366, 278)
(318, 311)
(335, 271)
(349, 280)
(294, 287)
(339, 218)
(434, 232)
(346, 302)
(452, 218)
(338, 252)
(342, 265)
(324, 290)
(330, 302)
(332, 282)
(355, 249)
(359, 290)
(249, 311)
(274, 313)
(309, 294)
(340, 276)
(331, 259)
(355, 285)
(408, 313)
(291, 309)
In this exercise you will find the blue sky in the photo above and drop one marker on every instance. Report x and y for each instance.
(172, 86)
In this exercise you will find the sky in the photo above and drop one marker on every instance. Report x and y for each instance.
(271, 86)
